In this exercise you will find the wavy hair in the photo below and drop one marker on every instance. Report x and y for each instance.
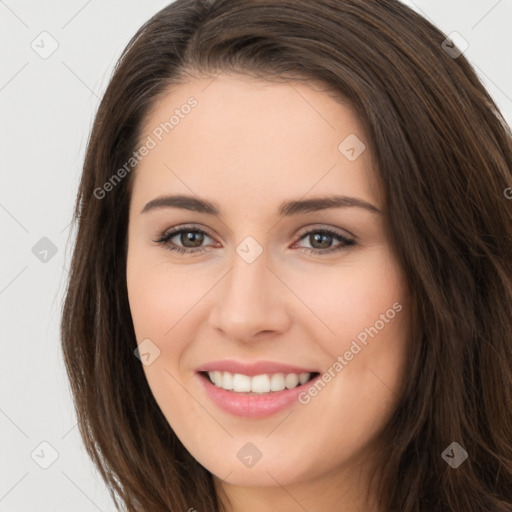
(444, 156)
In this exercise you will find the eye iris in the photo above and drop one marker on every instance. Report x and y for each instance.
(323, 238)
(191, 236)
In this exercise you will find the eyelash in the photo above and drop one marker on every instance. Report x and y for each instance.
(166, 236)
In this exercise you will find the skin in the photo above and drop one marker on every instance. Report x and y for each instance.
(248, 146)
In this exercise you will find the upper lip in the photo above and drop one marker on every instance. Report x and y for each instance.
(251, 369)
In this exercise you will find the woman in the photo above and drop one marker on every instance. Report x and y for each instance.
(291, 285)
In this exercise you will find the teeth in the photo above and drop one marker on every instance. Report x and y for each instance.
(217, 378)
(227, 382)
(304, 377)
(291, 380)
(241, 383)
(259, 383)
(277, 382)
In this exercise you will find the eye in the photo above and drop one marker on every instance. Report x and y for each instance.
(320, 241)
(190, 240)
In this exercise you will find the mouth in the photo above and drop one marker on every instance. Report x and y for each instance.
(254, 389)
(263, 384)
(256, 396)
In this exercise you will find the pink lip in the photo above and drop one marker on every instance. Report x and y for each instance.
(251, 369)
(252, 405)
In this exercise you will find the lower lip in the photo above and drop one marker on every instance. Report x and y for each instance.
(253, 405)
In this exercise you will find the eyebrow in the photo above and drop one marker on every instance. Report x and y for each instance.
(287, 208)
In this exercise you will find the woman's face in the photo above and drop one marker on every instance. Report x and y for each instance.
(263, 282)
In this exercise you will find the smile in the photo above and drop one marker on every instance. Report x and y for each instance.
(258, 384)
(255, 397)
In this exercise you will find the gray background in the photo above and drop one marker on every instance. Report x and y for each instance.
(47, 107)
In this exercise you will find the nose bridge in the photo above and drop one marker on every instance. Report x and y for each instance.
(249, 301)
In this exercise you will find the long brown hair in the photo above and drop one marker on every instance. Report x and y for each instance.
(444, 154)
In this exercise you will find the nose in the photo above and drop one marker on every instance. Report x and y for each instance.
(251, 302)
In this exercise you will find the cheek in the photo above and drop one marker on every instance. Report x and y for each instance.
(361, 315)
(161, 299)
(161, 294)
(346, 299)
(358, 310)
(165, 301)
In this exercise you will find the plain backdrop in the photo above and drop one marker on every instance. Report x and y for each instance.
(47, 103)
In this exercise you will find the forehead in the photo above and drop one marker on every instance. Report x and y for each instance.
(255, 140)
